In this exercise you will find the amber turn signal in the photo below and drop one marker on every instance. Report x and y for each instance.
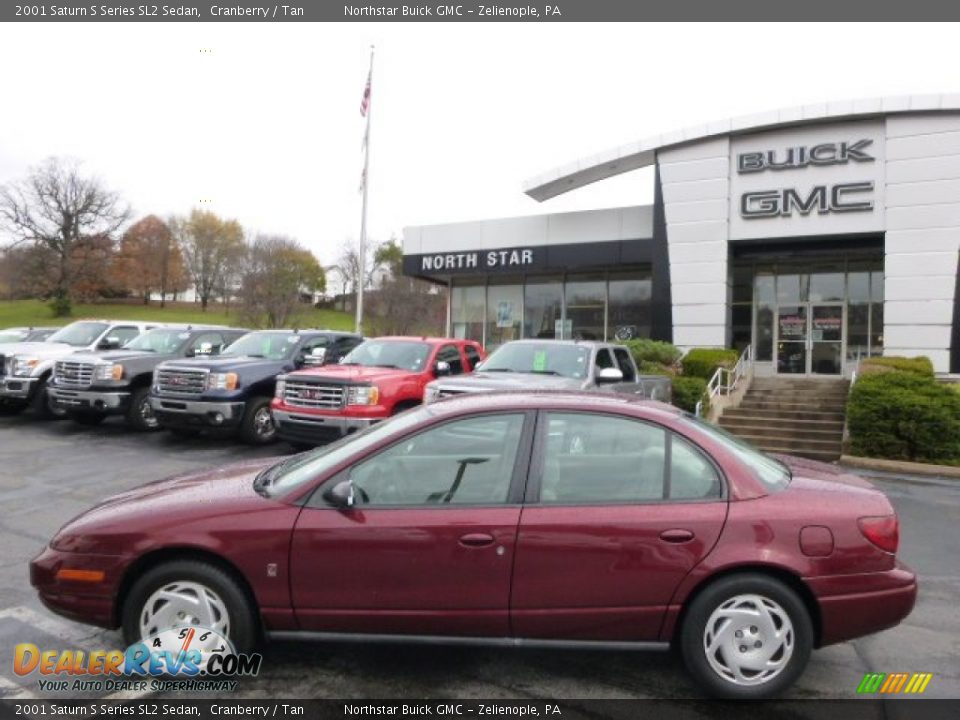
(80, 575)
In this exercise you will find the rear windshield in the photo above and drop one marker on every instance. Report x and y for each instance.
(79, 334)
(772, 473)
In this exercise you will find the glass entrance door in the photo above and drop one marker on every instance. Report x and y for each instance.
(810, 339)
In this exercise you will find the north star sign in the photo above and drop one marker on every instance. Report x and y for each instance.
(822, 199)
(491, 259)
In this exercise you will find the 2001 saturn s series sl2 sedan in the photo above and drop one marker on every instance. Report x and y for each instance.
(520, 518)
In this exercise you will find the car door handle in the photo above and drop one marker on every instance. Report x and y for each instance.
(476, 540)
(676, 536)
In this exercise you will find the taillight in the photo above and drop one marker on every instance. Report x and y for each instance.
(883, 531)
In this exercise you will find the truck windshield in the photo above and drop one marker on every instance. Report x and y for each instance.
(79, 334)
(12, 335)
(569, 361)
(269, 345)
(404, 354)
(159, 340)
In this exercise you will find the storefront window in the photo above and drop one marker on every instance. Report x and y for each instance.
(766, 300)
(504, 314)
(586, 301)
(466, 312)
(792, 289)
(628, 315)
(876, 313)
(542, 308)
(858, 315)
(827, 287)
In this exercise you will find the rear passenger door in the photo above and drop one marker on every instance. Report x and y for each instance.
(450, 354)
(617, 512)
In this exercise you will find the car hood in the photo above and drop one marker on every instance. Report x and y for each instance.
(171, 501)
(354, 373)
(230, 363)
(481, 381)
(117, 356)
(42, 350)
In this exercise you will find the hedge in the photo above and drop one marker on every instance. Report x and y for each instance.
(688, 391)
(648, 367)
(904, 416)
(656, 351)
(918, 365)
(703, 362)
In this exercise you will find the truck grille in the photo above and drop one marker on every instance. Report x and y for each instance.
(313, 395)
(174, 381)
(73, 374)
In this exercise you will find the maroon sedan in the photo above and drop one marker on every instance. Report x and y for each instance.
(515, 519)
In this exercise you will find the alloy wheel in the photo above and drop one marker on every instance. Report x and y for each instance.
(181, 604)
(263, 423)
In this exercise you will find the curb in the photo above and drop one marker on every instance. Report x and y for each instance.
(900, 466)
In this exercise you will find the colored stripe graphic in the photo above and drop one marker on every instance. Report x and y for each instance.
(894, 683)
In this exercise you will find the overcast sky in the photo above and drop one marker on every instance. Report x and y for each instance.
(266, 126)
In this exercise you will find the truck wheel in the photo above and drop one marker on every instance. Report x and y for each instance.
(42, 405)
(140, 415)
(182, 593)
(87, 418)
(257, 426)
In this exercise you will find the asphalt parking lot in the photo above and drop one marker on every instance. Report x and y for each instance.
(49, 472)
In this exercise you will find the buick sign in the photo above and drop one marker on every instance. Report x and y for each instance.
(798, 157)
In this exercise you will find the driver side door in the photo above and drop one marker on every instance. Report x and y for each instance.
(428, 546)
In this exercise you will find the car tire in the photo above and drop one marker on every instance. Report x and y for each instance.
(226, 600)
(746, 637)
(87, 418)
(140, 413)
(257, 426)
(43, 406)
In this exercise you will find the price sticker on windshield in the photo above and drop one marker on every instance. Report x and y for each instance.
(540, 361)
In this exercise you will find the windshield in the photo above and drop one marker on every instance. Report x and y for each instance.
(297, 470)
(569, 361)
(79, 334)
(269, 345)
(12, 336)
(159, 340)
(404, 354)
(771, 472)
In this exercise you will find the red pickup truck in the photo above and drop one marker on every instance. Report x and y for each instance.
(377, 379)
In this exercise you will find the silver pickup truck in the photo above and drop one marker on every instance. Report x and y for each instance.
(555, 365)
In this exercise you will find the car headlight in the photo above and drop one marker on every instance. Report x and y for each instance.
(281, 388)
(24, 365)
(222, 381)
(363, 395)
(431, 393)
(108, 371)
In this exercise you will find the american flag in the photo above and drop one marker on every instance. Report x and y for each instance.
(365, 103)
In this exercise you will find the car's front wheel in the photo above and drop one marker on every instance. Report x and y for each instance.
(185, 593)
(746, 636)
(257, 427)
(140, 413)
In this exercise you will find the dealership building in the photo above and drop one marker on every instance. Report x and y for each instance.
(817, 235)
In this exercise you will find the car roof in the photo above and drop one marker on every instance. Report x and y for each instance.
(426, 339)
(553, 341)
(307, 331)
(553, 399)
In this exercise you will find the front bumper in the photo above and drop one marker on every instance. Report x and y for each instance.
(302, 427)
(17, 388)
(171, 412)
(88, 602)
(855, 605)
(93, 400)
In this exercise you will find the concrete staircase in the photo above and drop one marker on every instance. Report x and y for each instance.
(794, 416)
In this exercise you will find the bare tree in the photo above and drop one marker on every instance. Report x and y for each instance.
(56, 207)
(213, 249)
(403, 305)
(278, 271)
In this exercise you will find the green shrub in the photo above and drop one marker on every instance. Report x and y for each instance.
(688, 391)
(648, 367)
(60, 306)
(918, 365)
(703, 362)
(656, 351)
(904, 416)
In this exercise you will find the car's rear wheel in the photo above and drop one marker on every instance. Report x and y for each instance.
(140, 413)
(185, 593)
(746, 636)
(257, 427)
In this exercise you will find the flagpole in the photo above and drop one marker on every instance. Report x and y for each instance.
(363, 212)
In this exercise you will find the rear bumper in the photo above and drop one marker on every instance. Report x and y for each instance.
(16, 388)
(855, 605)
(196, 413)
(301, 427)
(93, 400)
(86, 602)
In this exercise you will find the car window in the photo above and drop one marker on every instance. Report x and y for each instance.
(462, 462)
(571, 360)
(451, 355)
(591, 458)
(267, 344)
(79, 334)
(473, 355)
(409, 355)
(124, 333)
(604, 359)
(625, 364)
(207, 344)
(159, 340)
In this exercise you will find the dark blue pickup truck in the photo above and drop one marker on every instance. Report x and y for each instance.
(230, 394)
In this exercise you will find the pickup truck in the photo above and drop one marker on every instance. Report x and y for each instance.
(26, 367)
(556, 365)
(230, 394)
(92, 386)
(25, 334)
(380, 378)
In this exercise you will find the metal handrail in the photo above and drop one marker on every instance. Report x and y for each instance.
(724, 380)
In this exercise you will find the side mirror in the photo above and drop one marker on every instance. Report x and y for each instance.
(340, 495)
(609, 375)
(110, 343)
(478, 367)
(441, 368)
(315, 356)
